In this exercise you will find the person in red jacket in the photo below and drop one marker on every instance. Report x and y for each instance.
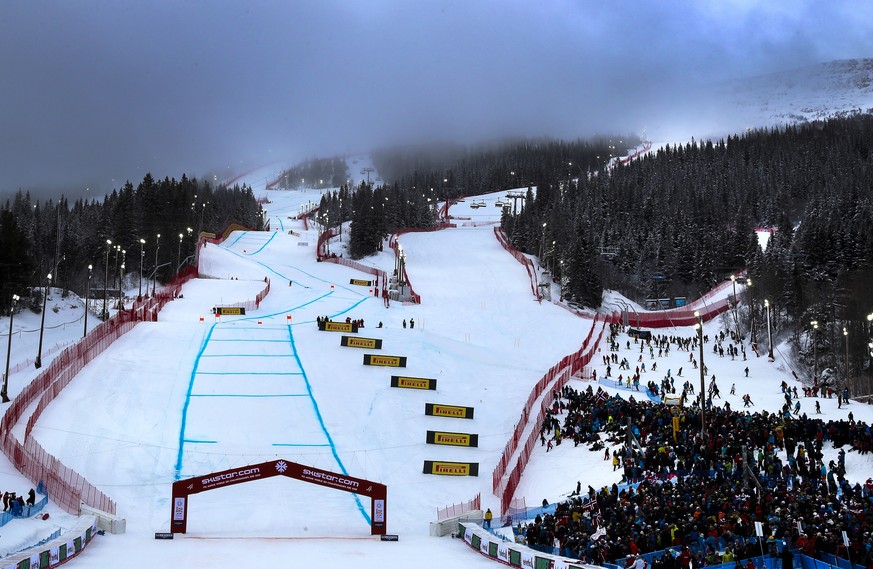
(685, 558)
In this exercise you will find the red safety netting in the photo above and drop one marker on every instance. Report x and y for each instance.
(459, 509)
(321, 247)
(66, 487)
(381, 276)
(552, 381)
(521, 258)
(525, 431)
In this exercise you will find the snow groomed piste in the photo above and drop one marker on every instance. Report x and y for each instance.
(222, 373)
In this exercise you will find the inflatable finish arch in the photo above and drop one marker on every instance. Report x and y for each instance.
(375, 491)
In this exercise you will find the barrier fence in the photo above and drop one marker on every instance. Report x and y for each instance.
(558, 375)
(521, 258)
(381, 276)
(68, 488)
(459, 509)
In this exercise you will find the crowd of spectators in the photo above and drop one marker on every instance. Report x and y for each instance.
(686, 490)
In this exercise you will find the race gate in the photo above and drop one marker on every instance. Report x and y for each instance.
(184, 488)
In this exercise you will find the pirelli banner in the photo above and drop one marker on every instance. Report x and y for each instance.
(442, 468)
(328, 326)
(385, 361)
(360, 282)
(228, 310)
(413, 382)
(454, 411)
(369, 343)
(452, 439)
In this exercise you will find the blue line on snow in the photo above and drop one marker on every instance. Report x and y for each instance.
(298, 445)
(246, 355)
(280, 275)
(248, 373)
(352, 306)
(263, 316)
(281, 225)
(197, 441)
(247, 339)
(265, 244)
(237, 239)
(188, 401)
(251, 395)
(323, 427)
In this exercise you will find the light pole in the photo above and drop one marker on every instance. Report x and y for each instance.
(751, 312)
(814, 351)
(179, 253)
(141, 257)
(37, 363)
(846, 336)
(769, 333)
(117, 251)
(3, 393)
(736, 317)
(699, 327)
(106, 282)
(121, 278)
(870, 339)
(157, 248)
(87, 294)
(542, 242)
(120, 291)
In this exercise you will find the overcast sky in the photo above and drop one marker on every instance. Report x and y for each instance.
(96, 92)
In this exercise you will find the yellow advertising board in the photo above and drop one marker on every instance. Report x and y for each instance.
(452, 439)
(329, 326)
(229, 310)
(413, 382)
(453, 411)
(442, 468)
(385, 361)
(354, 342)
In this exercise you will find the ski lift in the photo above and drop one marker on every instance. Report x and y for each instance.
(498, 203)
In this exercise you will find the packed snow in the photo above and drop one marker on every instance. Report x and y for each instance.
(193, 394)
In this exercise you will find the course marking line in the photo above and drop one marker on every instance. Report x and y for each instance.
(248, 339)
(242, 233)
(272, 235)
(198, 441)
(249, 373)
(284, 277)
(321, 423)
(246, 355)
(299, 306)
(188, 402)
(299, 445)
(249, 395)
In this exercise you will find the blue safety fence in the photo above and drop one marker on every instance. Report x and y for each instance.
(25, 511)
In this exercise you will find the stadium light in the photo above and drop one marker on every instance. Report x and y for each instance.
(141, 256)
(87, 294)
(106, 282)
(3, 393)
(37, 363)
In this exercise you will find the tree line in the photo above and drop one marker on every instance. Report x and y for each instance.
(63, 238)
(679, 220)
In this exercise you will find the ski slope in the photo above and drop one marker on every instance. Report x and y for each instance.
(185, 396)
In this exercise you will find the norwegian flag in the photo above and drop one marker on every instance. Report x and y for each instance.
(601, 395)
